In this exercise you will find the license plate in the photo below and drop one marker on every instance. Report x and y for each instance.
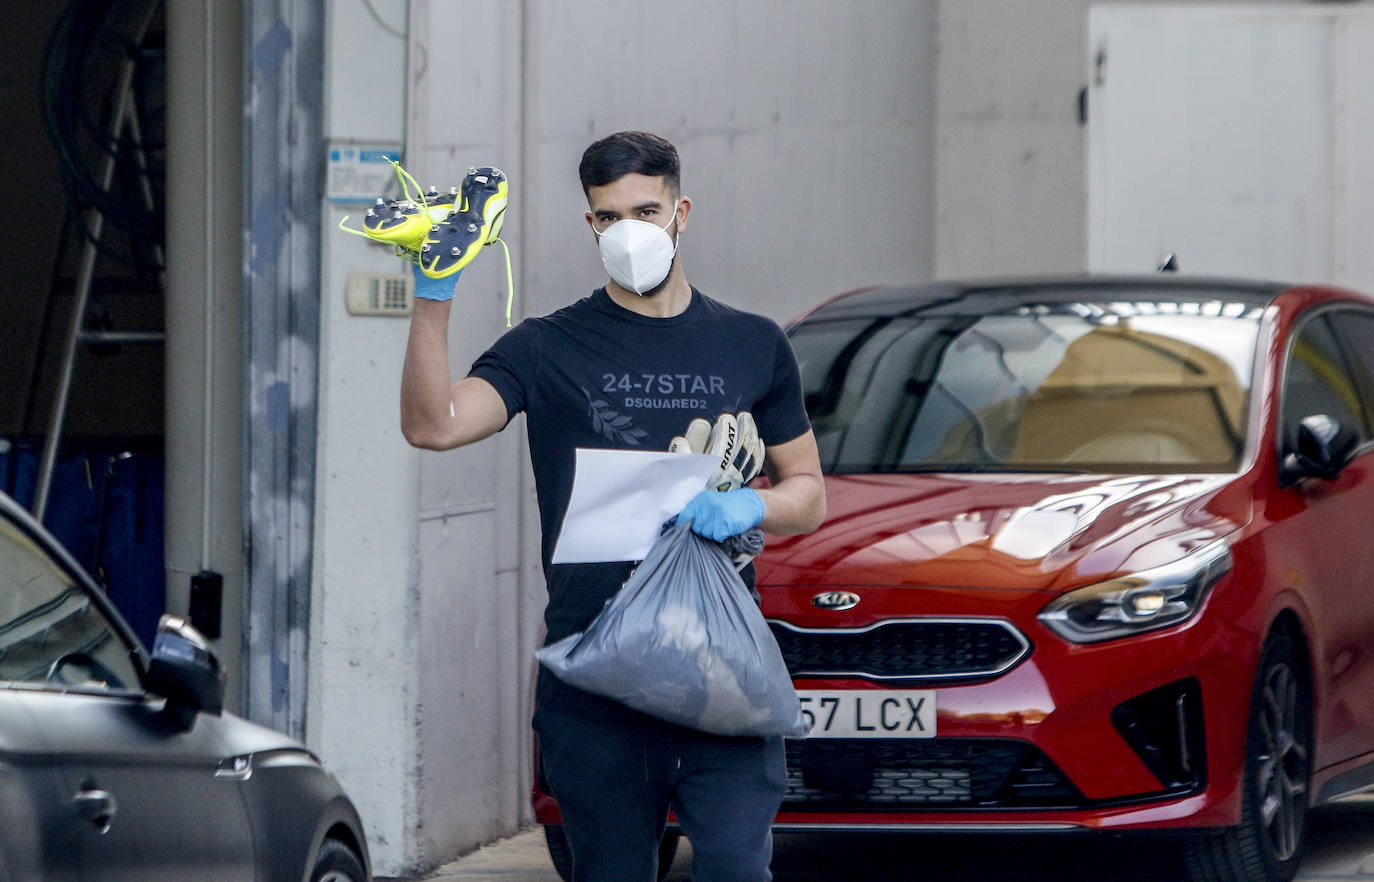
(869, 713)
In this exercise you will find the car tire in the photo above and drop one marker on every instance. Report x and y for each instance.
(337, 862)
(561, 853)
(1267, 844)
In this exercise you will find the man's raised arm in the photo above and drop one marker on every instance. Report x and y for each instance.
(437, 413)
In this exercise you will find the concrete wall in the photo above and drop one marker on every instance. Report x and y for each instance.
(1009, 156)
(1011, 191)
(806, 133)
(1253, 168)
(804, 128)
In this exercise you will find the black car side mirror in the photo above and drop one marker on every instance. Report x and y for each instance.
(1325, 448)
(184, 669)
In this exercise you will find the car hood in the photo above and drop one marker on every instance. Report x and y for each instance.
(1038, 532)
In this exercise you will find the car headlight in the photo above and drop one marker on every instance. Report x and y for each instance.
(1143, 601)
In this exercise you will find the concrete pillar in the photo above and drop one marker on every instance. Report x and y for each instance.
(204, 429)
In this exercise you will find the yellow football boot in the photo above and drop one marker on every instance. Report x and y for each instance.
(473, 220)
(405, 222)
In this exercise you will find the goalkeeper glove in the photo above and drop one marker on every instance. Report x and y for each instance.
(733, 441)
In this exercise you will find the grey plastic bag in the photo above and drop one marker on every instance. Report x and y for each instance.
(684, 641)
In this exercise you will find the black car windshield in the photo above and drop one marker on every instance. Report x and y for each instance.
(51, 632)
(1059, 386)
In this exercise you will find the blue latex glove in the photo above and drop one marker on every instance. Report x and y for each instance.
(719, 516)
(427, 288)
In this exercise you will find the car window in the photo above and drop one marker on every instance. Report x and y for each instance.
(1318, 381)
(1096, 386)
(1355, 328)
(51, 632)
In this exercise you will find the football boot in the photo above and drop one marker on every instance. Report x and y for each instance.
(473, 221)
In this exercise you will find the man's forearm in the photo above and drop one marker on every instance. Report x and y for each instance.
(426, 400)
(436, 413)
(793, 506)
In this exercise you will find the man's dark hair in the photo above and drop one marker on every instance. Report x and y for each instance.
(623, 153)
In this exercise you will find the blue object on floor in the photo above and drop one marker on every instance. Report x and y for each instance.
(105, 506)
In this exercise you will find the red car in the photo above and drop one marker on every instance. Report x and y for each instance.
(1097, 557)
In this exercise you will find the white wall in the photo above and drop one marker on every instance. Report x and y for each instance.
(1009, 156)
(1010, 177)
(806, 131)
(1237, 137)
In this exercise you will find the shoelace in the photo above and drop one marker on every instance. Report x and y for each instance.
(406, 180)
(510, 282)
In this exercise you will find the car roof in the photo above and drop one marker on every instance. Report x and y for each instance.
(992, 296)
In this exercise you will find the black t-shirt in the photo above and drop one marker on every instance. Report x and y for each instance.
(596, 375)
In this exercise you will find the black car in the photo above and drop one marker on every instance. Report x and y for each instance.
(115, 764)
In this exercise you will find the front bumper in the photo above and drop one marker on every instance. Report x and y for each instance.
(1140, 733)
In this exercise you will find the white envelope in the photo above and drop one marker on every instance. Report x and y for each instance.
(620, 499)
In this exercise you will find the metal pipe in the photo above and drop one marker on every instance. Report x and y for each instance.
(207, 426)
(95, 222)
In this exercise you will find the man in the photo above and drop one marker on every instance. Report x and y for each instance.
(628, 367)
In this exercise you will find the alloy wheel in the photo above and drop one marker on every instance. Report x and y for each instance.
(1281, 773)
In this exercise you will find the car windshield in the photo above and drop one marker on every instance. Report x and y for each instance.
(1063, 385)
(51, 632)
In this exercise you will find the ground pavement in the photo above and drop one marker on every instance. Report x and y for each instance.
(1340, 849)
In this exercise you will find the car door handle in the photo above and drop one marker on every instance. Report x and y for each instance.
(96, 806)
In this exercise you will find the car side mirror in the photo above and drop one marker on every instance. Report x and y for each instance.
(1325, 448)
(184, 669)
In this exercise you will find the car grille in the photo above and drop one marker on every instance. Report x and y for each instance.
(922, 649)
(844, 773)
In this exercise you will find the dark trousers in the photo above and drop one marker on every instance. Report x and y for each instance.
(616, 779)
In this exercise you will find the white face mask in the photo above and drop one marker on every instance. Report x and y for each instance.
(638, 254)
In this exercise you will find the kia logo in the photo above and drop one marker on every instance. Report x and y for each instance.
(836, 600)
